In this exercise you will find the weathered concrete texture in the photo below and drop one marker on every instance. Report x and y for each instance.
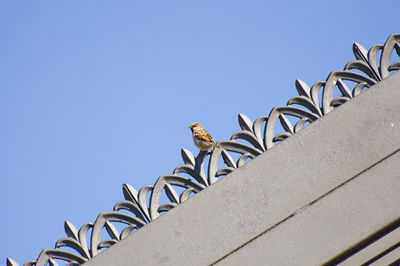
(384, 246)
(335, 222)
(264, 197)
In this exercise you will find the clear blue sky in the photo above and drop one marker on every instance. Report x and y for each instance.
(94, 94)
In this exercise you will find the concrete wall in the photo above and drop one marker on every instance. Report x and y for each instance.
(317, 197)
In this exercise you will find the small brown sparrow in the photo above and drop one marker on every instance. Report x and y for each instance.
(202, 138)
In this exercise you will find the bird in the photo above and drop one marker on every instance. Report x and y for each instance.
(202, 138)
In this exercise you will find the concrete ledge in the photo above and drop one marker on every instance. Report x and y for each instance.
(332, 224)
(274, 186)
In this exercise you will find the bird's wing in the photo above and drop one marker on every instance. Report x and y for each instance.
(204, 135)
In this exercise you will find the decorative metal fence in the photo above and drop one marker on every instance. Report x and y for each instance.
(254, 138)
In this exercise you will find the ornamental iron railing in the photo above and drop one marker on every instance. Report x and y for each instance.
(201, 171)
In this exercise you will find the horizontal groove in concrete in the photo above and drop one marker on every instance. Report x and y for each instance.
(332, 224)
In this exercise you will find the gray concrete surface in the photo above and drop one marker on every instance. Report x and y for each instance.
(262, 197)
(378, 247)
(334, 223)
